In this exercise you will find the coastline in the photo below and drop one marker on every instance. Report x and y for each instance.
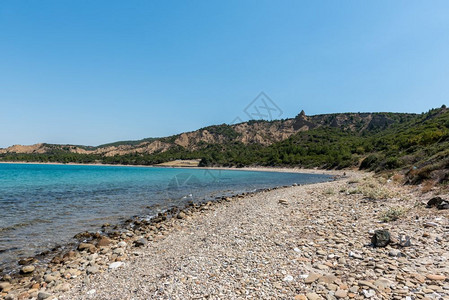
(258, 168)
(307, 242)
(43, 261)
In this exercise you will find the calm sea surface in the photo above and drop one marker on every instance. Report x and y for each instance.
(45, 205)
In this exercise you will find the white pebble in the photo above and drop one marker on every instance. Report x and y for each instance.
(369, 294)
(115, 265)
(91, 292)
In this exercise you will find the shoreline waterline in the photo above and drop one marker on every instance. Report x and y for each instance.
(155, 212)
(252, 168)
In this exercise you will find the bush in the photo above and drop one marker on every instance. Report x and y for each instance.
(392, 214)
(392, 163)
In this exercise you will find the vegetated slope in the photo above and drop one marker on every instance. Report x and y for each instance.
(421, 146)
(418, 145)
(375, 141)
(247, 133)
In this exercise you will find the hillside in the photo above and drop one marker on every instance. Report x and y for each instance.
(253, 132)
(375, 141)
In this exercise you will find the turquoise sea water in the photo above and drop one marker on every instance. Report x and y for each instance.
(45, 205)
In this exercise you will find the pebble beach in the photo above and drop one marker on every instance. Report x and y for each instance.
(300, 242)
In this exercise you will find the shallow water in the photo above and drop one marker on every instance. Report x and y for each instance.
(45, 205)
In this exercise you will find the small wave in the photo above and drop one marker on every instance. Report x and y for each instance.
(25, 224)
(9, 249)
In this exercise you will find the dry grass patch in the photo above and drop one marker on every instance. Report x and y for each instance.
(374, 189)
(392, 214)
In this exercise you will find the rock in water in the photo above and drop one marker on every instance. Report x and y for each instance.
(381, 238)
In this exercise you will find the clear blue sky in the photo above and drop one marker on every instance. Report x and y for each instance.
(91, 72)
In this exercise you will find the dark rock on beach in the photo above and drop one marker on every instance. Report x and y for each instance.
(438, 202)
(381, 238)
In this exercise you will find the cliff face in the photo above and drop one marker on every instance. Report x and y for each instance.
(252, 132)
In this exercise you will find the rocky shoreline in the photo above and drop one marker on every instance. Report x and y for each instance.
(35, 277)
(300, 242)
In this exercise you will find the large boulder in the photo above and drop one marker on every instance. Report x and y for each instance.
(380, 238)
(438, 202)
